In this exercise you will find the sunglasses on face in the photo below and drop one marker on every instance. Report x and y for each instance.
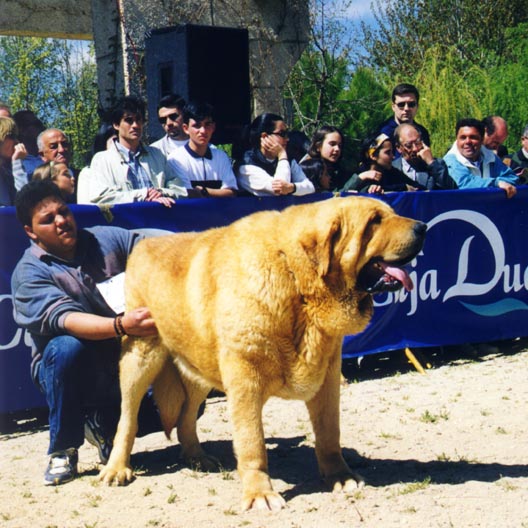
(282, 133)
(172, 117)
(410, 104)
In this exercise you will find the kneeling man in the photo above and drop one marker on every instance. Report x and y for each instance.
(57, 289)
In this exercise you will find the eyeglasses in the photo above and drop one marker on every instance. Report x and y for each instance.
(408, 146)
(282, 133)
(63, 144)
(172, 117)
(410, 104)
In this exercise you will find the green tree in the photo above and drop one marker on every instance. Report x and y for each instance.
(369, 105)
(508, 82)
(323, 89)
(407, 29)
(56, 79)
(316, 83)
(448, 94)
(29, 70)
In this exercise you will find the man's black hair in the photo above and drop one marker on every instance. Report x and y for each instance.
(263, 123)
(489, 125)
(472, 123)
(131, 104)
(172, 101)
(198, 111)
(31, 195)
(405, 88)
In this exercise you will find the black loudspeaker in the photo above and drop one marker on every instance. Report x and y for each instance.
(201, 63)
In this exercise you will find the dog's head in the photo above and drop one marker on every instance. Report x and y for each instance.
(358, 246)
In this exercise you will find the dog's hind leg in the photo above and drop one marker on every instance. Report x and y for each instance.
(169, 395)
(324, 414)
(141, 361)
(192, 451)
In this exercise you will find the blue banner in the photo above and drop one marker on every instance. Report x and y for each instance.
(471, 279)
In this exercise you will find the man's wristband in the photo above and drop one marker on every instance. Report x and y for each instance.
(294, 189)
(118, 326)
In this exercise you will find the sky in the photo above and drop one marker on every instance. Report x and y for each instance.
(360, 10)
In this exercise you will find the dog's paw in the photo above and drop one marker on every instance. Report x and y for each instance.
(117, 476)
(196, 458)
(347, 482)
(269, 501)
(204, 462)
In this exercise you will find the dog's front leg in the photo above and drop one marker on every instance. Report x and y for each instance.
(245, 402)
(324, 414)
(141, 361)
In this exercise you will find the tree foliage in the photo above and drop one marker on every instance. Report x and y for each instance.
(323, 89)
(508, 83)
(448, 95)
(55, 80)
(406, 29)
(369, 99)
(319, 77)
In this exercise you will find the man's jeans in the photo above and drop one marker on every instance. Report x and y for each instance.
(77, 376)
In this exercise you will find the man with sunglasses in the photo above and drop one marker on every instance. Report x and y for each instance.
(129, 171)
(405, 99)
(170, 110)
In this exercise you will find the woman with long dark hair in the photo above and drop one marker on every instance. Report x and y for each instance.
(322, 163)
(264, 169)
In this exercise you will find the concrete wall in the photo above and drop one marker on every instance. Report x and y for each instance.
(278, 33)
(47, 18)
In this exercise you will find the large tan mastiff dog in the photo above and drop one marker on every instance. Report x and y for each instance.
(257, 309)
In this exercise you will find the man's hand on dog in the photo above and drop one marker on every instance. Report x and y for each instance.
(138, 322)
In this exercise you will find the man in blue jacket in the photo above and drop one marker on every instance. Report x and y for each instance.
(472, 165)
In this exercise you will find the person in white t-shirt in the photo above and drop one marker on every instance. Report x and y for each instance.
(204, 169)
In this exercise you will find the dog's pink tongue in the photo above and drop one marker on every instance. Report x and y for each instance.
(399, 274)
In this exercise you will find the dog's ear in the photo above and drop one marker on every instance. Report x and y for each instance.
(319, 243)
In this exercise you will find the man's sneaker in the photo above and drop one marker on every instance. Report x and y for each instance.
(62, 467)
(95, 434)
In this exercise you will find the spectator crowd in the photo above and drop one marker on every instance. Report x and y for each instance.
(268, 159)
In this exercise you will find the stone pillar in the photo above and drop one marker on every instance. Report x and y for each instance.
(278, 33)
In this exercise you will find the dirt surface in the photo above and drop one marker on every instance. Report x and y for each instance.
(448, 448)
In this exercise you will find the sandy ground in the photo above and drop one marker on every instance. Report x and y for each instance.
(448, 448)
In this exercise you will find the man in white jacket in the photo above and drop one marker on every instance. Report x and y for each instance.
(130, 171)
